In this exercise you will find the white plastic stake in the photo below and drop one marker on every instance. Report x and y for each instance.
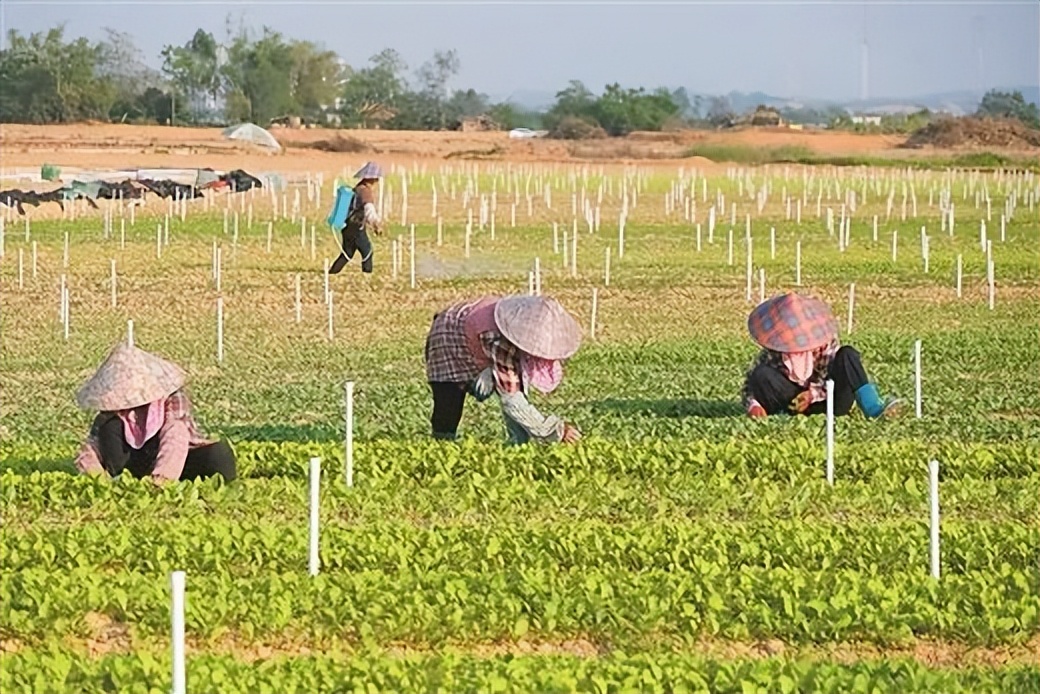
(933, 496)
(917, 378)
(798, 263)
(595, 296)
(349, 441)
(411, 257)
(895, 236)
(220, 330)
(729, 247)
(772, 243)
(177, 631)
(537, 276)
(830, 432)
(313, 563)
(130, 333)
(330, 316)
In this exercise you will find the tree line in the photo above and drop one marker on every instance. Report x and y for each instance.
(264, 76)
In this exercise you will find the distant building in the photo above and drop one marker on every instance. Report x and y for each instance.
(863, 119)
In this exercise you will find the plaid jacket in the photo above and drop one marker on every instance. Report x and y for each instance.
(817, 381)
(179, 434)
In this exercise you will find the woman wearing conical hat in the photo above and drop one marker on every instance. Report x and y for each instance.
(363, 216)
(504, 346)
(144, 424)
(800, 352)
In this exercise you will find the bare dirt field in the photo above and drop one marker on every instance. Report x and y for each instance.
(110, 145)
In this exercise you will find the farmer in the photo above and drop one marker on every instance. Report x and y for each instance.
(799, 337)
(145, 423)
(504, 345)
(363, 215)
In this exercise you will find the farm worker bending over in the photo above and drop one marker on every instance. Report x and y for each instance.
(363, 215)
(504, 345)
(800, 352)
(145, 423)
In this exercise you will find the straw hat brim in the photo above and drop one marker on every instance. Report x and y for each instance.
(539, 326)
(129, 377)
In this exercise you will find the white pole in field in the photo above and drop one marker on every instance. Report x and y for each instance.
(772, 243)
(313, 562)
(595, 297)
(113, 269)
(1003, 227)
(556, 238)
(960, 270)
(65, 308)
(798, 263)
(895, 236)
(830, 432)
(177, 631)
(220, 330)
(606, 266)
(411, 257)
(748, 272)
(917, 378)
(330, 316)
(933, 497)
(219, 274)
(440, 230)
(537, 276)
(852, 304)
(130, 333)
(729, 249)
(698, 238)
(349, 439)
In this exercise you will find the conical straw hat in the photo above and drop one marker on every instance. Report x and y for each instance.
(369, 170)
(129, 377)
(539, 326)
(792, 323)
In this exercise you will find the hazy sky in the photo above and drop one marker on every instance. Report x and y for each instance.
(790, 49)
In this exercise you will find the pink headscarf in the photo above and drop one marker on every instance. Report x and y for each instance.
(142, 423)
(543, 374)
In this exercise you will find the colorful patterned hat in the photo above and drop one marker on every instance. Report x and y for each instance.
(792, 323)
(538, 325)
(369, 170)
(129, 377)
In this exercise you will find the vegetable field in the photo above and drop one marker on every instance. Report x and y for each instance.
(679, 547)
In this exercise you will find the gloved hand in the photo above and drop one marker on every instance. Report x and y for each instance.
(801, 402)
(483, 386)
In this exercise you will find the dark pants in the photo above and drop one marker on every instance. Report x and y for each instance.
(448, 399)
(116, 455)
(354, 242)
(775, 392)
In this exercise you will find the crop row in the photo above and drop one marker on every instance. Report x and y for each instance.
(43, 672)
(795, 605)
(202, 545)
(792, 459)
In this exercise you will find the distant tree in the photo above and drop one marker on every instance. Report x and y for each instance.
(193, 68)
(720, 112)
(575, 101)
(372, 94)
(997, 104)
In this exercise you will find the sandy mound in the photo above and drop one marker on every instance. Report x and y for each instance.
(975, 132)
